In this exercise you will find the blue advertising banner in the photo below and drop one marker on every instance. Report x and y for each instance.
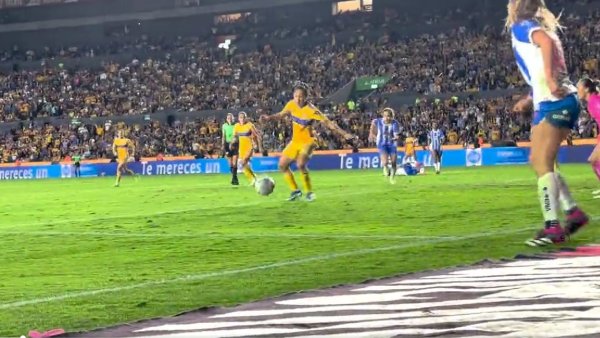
(353, 161)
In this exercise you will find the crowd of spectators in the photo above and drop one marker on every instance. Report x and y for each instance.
(466, 122)
(207, 78)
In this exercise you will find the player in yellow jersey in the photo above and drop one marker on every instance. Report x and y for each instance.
(244, 137)
(410, 153)
(304, 117)
(121, 150)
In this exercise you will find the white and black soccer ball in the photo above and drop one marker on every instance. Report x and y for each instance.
(264, 186)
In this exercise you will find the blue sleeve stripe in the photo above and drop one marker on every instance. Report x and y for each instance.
(522, 30)
(522, 65)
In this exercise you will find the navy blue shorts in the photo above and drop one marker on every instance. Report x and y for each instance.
(561, 114)
(387, 149)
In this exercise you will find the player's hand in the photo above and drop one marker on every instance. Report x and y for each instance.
(524, 105)
(264, 118)
(556, 89)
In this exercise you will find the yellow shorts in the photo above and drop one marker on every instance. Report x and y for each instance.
(122, 160)
(293, 150)
(245, 152)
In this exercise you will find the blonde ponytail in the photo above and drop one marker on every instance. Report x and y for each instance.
(519, 10)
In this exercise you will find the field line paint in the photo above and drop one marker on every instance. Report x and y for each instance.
(190, 278)
(200, 235)
(241, 205)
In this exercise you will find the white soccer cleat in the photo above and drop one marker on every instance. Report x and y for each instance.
(393, 179)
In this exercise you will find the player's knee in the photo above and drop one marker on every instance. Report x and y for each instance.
(302, 167)
(541, 164)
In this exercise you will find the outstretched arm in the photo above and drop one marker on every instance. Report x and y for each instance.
(278, 116)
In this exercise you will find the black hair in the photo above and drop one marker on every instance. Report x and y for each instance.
(590, 85)
(301, 86)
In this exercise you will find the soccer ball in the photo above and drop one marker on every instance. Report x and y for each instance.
(265, 186)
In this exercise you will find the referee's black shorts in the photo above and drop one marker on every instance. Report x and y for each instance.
(229, 150)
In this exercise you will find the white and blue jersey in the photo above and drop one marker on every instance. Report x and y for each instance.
(436, 140)
(387, 136)
(561, 112)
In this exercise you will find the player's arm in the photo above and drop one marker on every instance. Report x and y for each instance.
(524, 105)
(396, 131)
(257, 136)
(373, 131)
(275, 117)
(114, 148)
(132, 147)
(541, 39)
(223, 133)
(235, 139)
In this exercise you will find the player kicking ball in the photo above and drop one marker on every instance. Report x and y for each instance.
(385, 132)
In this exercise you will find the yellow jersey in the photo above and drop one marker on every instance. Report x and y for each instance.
(409, 145)
(303, 119)
(244, 133)
(122, 145)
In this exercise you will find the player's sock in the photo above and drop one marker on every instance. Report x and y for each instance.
(288, 176)
(249, 174)
(306, 182)
(567, 202)
(596, 167)
(385, 170)
(548, 192)
(394, 169)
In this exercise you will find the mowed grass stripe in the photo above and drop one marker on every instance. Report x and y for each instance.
(192, 278)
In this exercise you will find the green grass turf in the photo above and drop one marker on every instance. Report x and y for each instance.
(182, 243)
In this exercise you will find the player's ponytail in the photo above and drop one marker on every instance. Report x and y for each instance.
(519, 10)
(591, 86)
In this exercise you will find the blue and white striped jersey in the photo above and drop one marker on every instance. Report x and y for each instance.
(387, 133)
(436, 139)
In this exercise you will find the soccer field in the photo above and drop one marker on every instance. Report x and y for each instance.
(81, 254)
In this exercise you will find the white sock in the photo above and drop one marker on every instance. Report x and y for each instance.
(385, 170)
(548, 193)
(566, 199)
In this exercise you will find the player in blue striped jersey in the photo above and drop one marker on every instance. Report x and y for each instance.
(385, 132)
(436, 140)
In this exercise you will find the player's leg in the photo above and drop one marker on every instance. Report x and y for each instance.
(436, 160)
(234, 169)
(119, 173)
(545, 142)
(248, 172)
(394, 159)
(127, 170)
(229, 153)
(288, 156)
(302, 162)
(439, 163)
(594, 160)
(384, 156)
(596, 168)
(552, 125)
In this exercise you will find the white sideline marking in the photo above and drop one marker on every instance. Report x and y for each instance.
(197, 277)
(213, 235)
